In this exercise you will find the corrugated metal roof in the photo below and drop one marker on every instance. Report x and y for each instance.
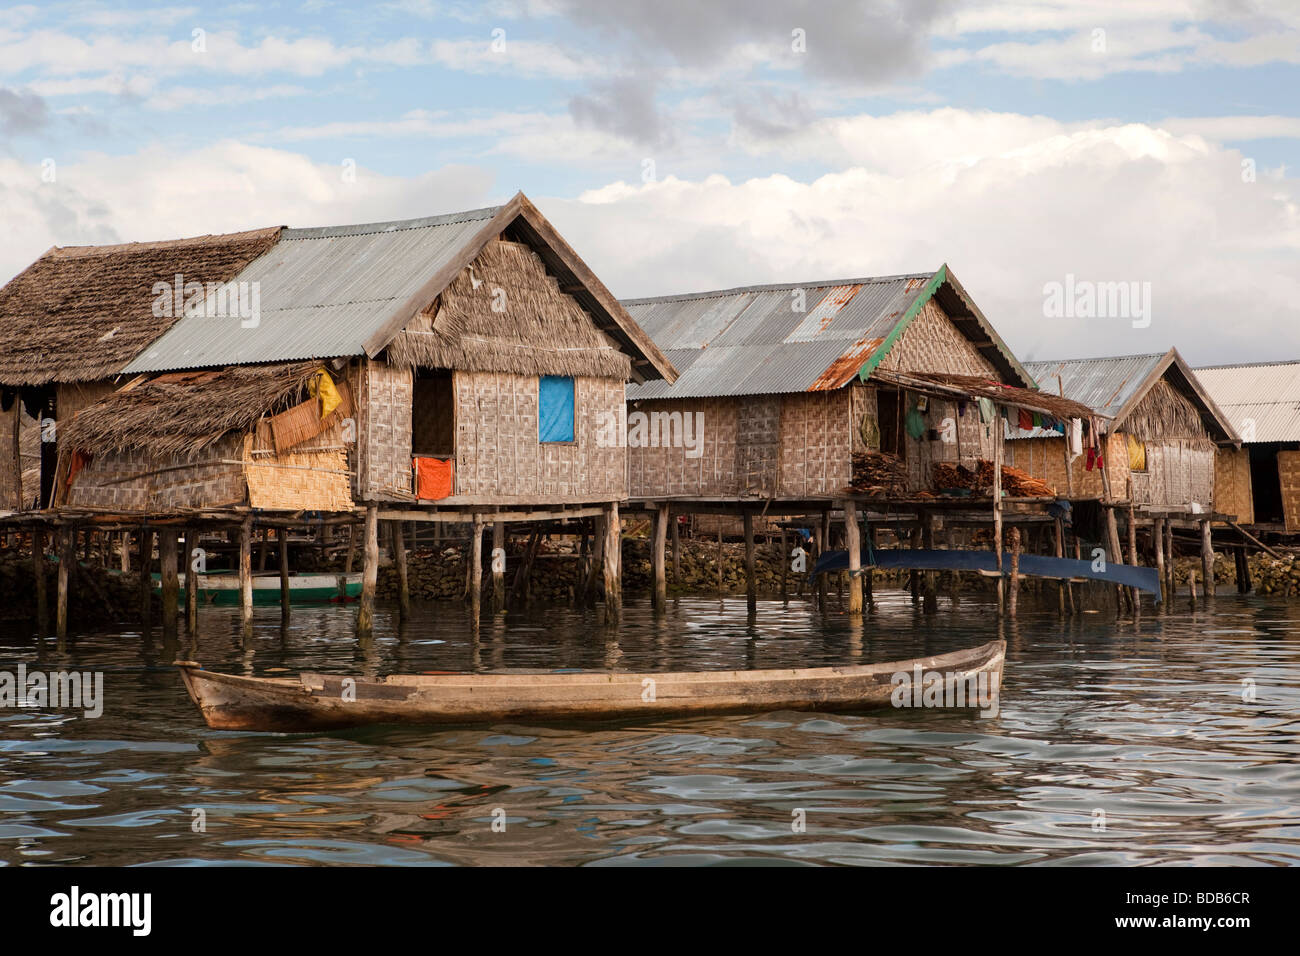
(1262, 400)
(322, 293)
(751, 341)
(1103, 384)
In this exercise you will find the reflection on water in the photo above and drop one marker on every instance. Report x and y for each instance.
(1116, 743)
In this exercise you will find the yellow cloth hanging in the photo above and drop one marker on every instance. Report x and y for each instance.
(1137, 455)
(322, 386)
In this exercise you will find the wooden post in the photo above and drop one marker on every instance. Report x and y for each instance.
(1066, 596)
(191, 581)
(613, 585)
(369, 574)
(677, 551)
(145, 553)
(397, 541)
(352, 549)
(246, 578)
(597, 560)
(171, 587)
(1013, 595)
(38, 570)
(784, 564)
(930, 601)
(282, 539)
(1135, 596)
(1207, 557)
(499, 574)
(124, 552)
(67, 555)
(519, 593)
(868, 596)
(1116, 556)
(659, 557)
(476, 571)
(997, 498)
(1171, 564)
(719, 555)
(853, 542)
(1243, 570)
(751, 580)
(1157, 537)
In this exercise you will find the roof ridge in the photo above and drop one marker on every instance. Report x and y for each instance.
(774, 287)
(396, 225)
(1201, 368)
(212, 238)
(1098, 358)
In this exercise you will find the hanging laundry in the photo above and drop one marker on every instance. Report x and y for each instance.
(986, 410)
(322, 386)
(915, 423)
(1038, 420)
(1090, 460)
(1076, 438)
(1025, 420)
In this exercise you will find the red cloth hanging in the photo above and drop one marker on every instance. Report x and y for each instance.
(434, 478)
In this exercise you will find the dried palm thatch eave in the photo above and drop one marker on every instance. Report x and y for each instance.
(1164, 413)
(181, 414)
(506, 313)
(81, 313)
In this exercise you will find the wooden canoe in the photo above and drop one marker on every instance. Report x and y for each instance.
(325, 701)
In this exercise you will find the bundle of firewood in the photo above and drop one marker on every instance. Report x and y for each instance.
(878, 473)
(1015, 482)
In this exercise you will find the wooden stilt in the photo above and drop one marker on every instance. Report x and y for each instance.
(369, 573)
(930, 599)
(853, 542)
(145, 562)
(868, 594)
(1122, 598)
(124, 552)
(246, 578)
(597, 561)
(751, 579)
(1013, 595)
(282, 539)
(658, 556)
(167, 561)
(1207, 557)
(613, 585)
(784, 563)
(397, 539)
(38, 572)
(476, 571)
(719, 559)
(499, 573)
(998, 430)
(1135, 596)
(1158, 541)
(1243, 570)
(523, 574)
(191, 581)
(67, 557)
(352, 549)
(677, 551)
(1171, 568)
(914, 576)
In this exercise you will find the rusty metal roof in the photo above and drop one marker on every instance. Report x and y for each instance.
(1262, 399)
(811, 336)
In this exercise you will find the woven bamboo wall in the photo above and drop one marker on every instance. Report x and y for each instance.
(789, 446)
(384, 433)
(134, 481)
(499, 457)
(656, 471)
(1232, 487)
(1288, 472)
(931, 343)
(1045, 458)
(313, 476)
(1178, 473)
(29, 442)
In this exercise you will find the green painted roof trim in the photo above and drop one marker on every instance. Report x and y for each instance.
(923, 295)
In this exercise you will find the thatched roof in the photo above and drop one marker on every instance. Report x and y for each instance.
(81, 313)
(182, 413)
(505, 313)
(975, 386)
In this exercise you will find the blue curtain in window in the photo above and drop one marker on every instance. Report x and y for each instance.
(555, 403)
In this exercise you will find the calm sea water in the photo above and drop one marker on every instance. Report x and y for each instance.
(1117, 743)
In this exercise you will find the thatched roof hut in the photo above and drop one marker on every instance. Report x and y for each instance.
(1164, 431)
(80, 313)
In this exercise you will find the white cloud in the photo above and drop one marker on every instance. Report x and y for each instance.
(224, 187)
(1107, 204)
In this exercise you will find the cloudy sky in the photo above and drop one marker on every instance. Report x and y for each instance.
(683, 145)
